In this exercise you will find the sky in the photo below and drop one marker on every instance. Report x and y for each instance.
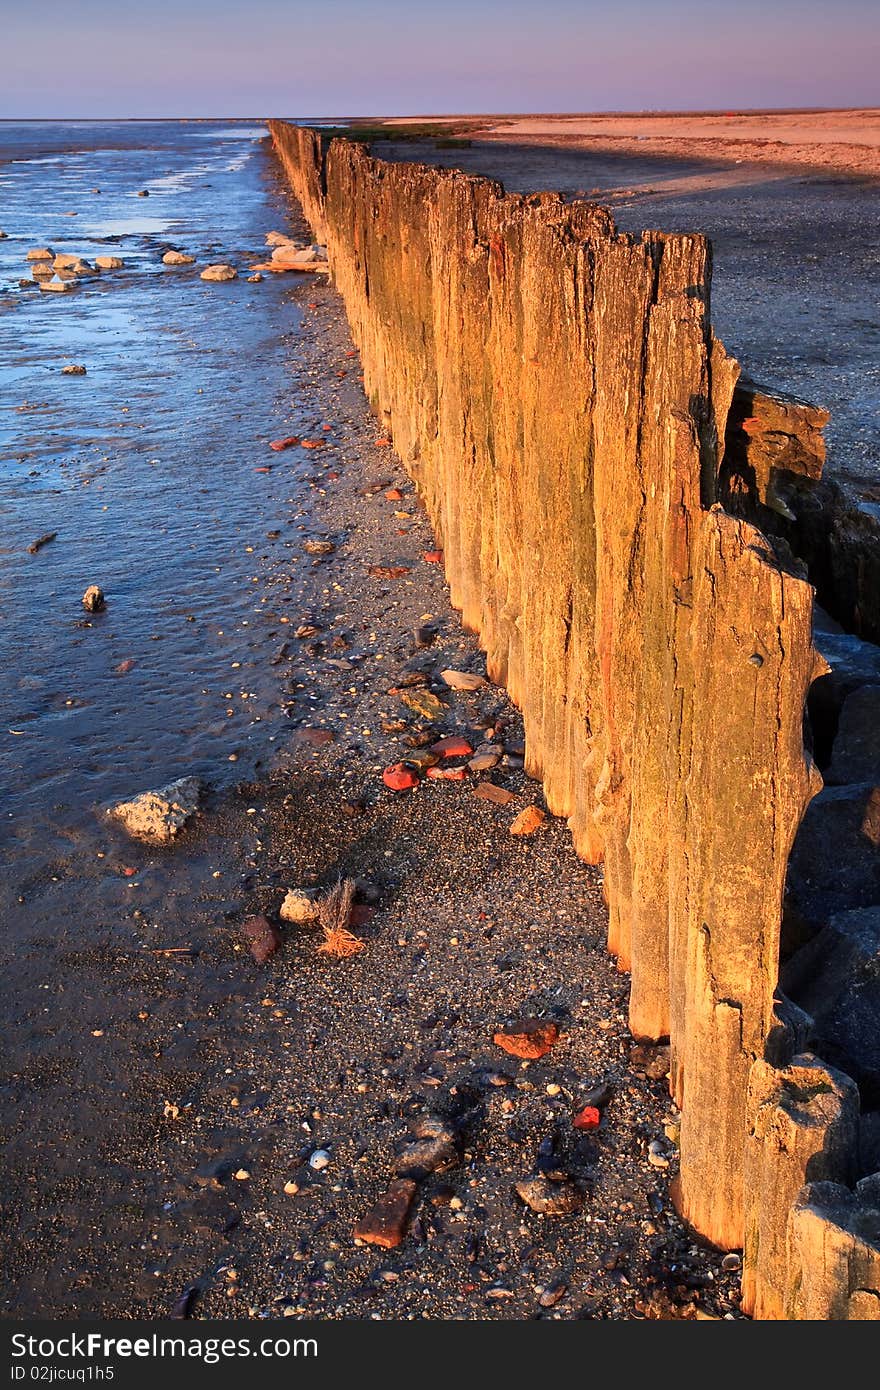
(314, 58)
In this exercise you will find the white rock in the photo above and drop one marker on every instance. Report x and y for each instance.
(58, 286)
(155, 817)
(41, 253)
(463, 680)
(219, 272)
(179, 258)
(319, 1159)
(109, 262)
(298, 906)
(281, 239)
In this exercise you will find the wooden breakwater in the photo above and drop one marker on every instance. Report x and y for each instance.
(555, 390)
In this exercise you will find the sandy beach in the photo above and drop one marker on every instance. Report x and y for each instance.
(845, 141)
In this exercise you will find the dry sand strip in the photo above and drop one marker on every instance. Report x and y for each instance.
(833, 141)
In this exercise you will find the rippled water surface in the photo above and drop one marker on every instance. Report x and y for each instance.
(145, 467)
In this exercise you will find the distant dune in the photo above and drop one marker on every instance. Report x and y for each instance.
(831, 140)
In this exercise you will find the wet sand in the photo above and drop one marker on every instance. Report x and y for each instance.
(158, 1104)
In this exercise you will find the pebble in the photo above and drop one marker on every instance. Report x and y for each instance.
(656, 1157)
(463, 680)
(552, 1293)
(319, 1160)
(550, 1198)
(530, 819)
(262, 937)
(73, 370)
(488, 791)
(731, 1262)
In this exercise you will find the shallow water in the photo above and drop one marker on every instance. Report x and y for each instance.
(145, 467)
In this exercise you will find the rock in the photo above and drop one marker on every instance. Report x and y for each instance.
(530, 819)
(73, 370)
(434, 1150)
(835, 863)
(65, 260)
(657, 1156)
(447, 774)
(590, 1117)
(318, 547)
(424, 704)
(255, 279)
(319, 1160)
(144, 193)
(390, 571)
(463, 680)
(385, 1223)
(181, 258)
(853, 663)
(219, 272)
(432, 557)
(550, 1198)
(598, 1095)
(287, 443)
(282, 239)
(41, 541)
(425, 636)
(156, 817)
(836, 979)
(499, 796)
(651, 1062)
(41, 253)
(400, 777)
(299, 906)
(109, 262)
(58, 286)
(422, 760)
(551, 1294)
(72, 265)
(93, 599)
(262, 938)
(3, 235)
(292, 257)
(856, 752)
(731, 1262)
(452, 746)
(527, 1037)
(486, 756)
(394, 494)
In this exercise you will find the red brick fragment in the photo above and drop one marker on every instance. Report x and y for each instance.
(528, 1038)
(400, 778)
(453, 746)
(588, 1118)
(385, 1223)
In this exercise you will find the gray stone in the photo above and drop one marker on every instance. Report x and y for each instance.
(856, 752)
(836, 979)
(835, 863)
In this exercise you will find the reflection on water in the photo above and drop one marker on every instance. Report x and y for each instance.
(145, 468)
